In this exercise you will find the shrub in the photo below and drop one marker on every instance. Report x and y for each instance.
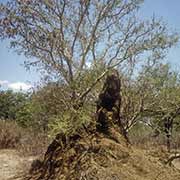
(10, 103)
(70, 122)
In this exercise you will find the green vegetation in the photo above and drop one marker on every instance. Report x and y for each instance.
(11, 103)
(149, 106)
(75, 44)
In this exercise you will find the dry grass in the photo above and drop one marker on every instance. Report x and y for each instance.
(26, 141)
(33, 143)
(10, 134)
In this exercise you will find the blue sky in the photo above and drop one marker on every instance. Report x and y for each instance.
(170, 12)
(13, 74)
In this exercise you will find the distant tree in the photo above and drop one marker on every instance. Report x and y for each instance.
(10, 103)
(162, 103)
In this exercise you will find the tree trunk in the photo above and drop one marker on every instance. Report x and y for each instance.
(168, 125)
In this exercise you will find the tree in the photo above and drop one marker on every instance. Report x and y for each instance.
(66, 36)
(162, 103)
(132, 102)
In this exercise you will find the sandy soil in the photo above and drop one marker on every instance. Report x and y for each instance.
(176, 163)
(13, 165)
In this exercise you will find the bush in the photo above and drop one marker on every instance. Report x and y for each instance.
(10, 103)
(70, 122)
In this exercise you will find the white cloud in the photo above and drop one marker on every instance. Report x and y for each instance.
(3, 82)
(16, 86)
(19, 86)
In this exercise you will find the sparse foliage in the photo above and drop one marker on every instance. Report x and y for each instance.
(66, 36)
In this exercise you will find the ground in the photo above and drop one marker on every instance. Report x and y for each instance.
(139, 164)
(13, 165)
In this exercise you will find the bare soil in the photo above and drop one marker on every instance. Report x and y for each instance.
(13, 166)
(176, 163)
